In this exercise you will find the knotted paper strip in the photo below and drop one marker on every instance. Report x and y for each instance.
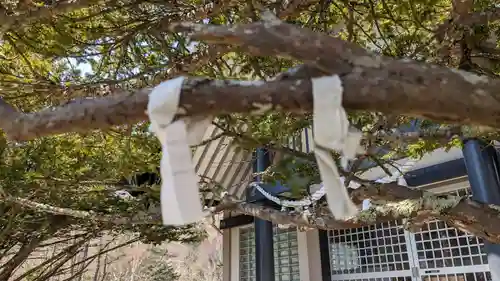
(180, 198)
(332, 132)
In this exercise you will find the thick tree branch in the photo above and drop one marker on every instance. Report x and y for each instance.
(199, 97)
(484, 17)
(406, 87)
(465, 214)
(395, 202)
(379, 83)
(32, 13)
(399, 203)
(371, 82)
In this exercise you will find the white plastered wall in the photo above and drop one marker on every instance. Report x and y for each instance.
(235, 254)
(309, 255)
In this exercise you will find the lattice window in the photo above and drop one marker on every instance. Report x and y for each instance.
(247, 254)
(407, 278)
(440, 245)
(376, 248)
(476, 276)
(286, 254)
(385, 251)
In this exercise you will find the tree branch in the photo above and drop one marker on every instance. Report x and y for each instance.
(371, 82)
(379, 83)
(463, 213)
(32, 13)
(483, 17)
(400, 203)
(199, 97)
(113, 219)
(22, 254)
(467, 215)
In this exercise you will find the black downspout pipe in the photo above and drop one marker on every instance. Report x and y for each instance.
(264, 252)
(483, 170)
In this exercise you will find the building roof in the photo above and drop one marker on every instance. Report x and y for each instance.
(223, 162)
(229, 165)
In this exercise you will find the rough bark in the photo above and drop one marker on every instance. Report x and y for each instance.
(484, 17)
(466, 215)
(199, 97)
(371, 82)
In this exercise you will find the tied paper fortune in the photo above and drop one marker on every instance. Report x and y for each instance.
(332, 132)
(180, 198)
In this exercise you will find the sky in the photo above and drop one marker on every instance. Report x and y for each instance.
(83, 67)
(86, 68)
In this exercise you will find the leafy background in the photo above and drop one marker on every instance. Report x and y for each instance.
(89, 48)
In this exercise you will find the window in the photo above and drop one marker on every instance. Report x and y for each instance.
(375, 248)
(286, 254)
(386, 251)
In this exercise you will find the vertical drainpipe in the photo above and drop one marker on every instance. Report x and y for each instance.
(482, 163)
(264, 252)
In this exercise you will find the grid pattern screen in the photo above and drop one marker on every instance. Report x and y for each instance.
(407, 278)
(476, 276)
(437, 252)
(375, 248)
(440, 245)
(286, 254)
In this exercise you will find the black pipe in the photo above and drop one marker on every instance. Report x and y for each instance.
(483, 170)
(264, 252)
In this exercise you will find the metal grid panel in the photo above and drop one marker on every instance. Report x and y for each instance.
(286, 254)
(379, 279)
(386, 252)
(375, 248)
(476, 276)
(247, 254)
(440, 246)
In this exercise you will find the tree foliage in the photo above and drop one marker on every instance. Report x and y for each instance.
(75, 53)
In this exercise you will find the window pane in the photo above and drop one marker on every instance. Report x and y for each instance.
(286, 254)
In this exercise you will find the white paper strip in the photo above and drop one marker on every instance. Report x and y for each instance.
(332, 132)
(180, 198)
